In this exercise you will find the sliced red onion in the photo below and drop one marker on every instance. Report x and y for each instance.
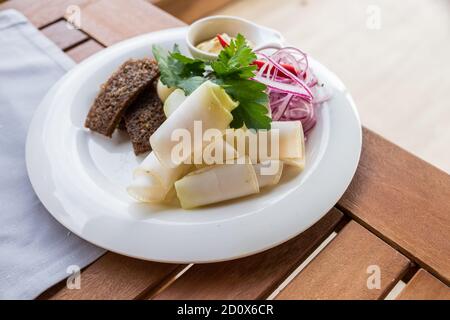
(285, 87)
(279, 67)
(292, 96)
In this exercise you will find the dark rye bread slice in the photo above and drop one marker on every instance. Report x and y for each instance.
(142, 118)
(121, 126)
(117, 94)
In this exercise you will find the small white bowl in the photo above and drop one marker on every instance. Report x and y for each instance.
(207, 28)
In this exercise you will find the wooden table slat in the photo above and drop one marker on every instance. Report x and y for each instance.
(404, 200)
(63, 36)
(190, 10)
(342, 269)
(254, 277)
(42, 12)
(84, 50)
(110, 21)
(423, 286)
(118, 277)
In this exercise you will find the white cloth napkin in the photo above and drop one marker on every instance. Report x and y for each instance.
(35, 250)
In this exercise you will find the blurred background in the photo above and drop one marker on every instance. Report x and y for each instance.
(392, 55)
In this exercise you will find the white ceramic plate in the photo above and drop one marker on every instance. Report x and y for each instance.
(81, 176)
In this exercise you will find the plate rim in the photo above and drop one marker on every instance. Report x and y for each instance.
(31, 146)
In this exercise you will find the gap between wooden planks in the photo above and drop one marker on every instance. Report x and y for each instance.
(423, 286)
(403, 200)
(254, 277)
(348, 269)
(43, 12)
(84, 50)
(115, 276)
(63, 36)
(118, 277)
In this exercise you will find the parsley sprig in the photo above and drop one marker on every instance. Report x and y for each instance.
(232, 70)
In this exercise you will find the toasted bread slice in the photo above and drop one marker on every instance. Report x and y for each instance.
(118, 93)
(142, 118)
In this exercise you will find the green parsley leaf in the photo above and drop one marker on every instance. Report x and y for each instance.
(235, 60)
(232, 70)
(254, 116)
(238, 54)
(190, 84)
(168, 76)
(178, 70)
(252, 110)
(246, 90)
(188, 66)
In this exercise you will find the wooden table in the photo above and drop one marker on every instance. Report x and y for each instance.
(394, 218)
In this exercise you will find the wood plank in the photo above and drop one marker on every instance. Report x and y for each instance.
(84, 50)
(190, 10)
(254, 277)
(340, 271)
(423, 286)
(405, 201)
(110, 21)
(42, 12)
(63, 36)
(118, 277)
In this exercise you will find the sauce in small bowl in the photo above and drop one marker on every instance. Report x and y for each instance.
(216, 44)
(202, 38)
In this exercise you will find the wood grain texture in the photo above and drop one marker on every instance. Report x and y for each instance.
(190, 10)
(423, 286)
(405, 201)
(84, 50)
(254, 277)
(42, 12)
(110, 21)
(340, 271)
(118, 277)
(63, 36)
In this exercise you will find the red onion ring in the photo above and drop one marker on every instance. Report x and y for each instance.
(292, 96)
